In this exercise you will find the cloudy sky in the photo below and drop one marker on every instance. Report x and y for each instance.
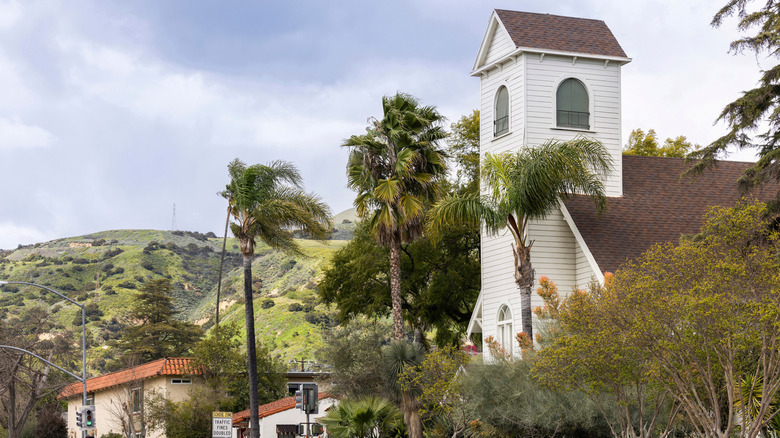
(112, 111)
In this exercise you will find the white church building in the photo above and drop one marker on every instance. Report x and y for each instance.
(545, 76)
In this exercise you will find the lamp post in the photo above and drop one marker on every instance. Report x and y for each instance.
(83, 377)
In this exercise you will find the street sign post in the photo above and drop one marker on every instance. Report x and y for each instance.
(221, 425)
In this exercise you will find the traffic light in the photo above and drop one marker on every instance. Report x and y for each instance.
(310, 398)
(299, 403)
(88, 417)
(79, 422)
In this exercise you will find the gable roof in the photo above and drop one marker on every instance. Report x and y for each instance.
(272, 408)
(168, 366)
(561, 34)
(656, 206)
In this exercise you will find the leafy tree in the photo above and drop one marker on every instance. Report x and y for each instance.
(25, 380)
(589, 351)
(267, 203)
(440, 394)
(646, 145)
(50, 422)
(223, 364)
(440, 282)
(698, 317)
(464, 146)
(155, 332)
(756, 110)
(370, 417)
(525, 186)
(396, 167)
(354, 352)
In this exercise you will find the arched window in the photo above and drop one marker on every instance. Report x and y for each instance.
(504, 326)
(572, 105)
(501, 121)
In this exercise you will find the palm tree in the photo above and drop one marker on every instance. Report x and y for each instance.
(526, 186)
(396, 168)
(370, 417)
(268, 203)
(399, 355)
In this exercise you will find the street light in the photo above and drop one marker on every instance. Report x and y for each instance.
(83, 377)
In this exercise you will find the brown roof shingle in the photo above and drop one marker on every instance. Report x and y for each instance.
(564, 34)
(657, 206)
(169, 366)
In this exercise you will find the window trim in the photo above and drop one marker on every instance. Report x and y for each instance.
(508, 116)
(139, 398)
(591, 105)
(505, 327)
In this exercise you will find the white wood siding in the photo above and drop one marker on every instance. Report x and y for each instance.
(603, 85)
(500, 45)
(584, 273)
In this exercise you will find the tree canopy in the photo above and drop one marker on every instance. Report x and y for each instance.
(646, 144)
(752, 119)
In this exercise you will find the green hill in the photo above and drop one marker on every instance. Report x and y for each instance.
(103, 271)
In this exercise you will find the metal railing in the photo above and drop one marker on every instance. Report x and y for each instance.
(573, 119)
(500, 126)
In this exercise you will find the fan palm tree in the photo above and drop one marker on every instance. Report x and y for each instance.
(399, 355)
(526, 186)
(396, 168)
(370, 417)
(268, 203)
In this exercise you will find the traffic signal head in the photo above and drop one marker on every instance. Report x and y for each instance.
(299, 404)
(79, 418)
(311, 398)
(88, 417)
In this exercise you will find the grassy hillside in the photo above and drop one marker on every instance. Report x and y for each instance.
(104, 271)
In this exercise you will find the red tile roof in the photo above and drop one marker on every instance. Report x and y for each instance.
(169, 366)
(272, 408)
(656, 206)
(564, 34)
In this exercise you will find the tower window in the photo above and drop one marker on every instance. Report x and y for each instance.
(572, 105)
(501, 122)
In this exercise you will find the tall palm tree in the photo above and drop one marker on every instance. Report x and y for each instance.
(526, 186)
(268, 203)
(396, 168)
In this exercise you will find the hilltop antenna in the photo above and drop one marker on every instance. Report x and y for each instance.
(173, 221)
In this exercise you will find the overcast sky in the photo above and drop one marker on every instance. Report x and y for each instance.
(111, 111)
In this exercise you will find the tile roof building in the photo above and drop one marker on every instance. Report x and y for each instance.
(119, 396)
(280, 413)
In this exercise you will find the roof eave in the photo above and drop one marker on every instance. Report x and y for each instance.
(520, 50)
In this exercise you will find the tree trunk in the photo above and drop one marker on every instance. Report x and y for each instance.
(411, 411)
(524, 277)
(249, 313)
(395, 285)
(221, 263)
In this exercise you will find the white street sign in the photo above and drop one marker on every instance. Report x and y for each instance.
(221, 425)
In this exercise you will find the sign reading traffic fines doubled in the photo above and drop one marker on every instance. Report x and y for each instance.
(221, 424)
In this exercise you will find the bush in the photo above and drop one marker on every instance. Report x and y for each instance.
(295, 307)
(108, 290)
(267, 303)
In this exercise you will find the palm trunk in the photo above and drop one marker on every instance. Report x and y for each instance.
(411, 411)
(524, 277)
(249, 314)
(395, 285)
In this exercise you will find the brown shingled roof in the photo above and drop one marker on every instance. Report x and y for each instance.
(272, 408)
(169, 366)
(657, 206)
(564, 34)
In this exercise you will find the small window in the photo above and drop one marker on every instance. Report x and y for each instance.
(572, 105)
(504, 326)
(181, 381)
(137, 400)
(90, 399)
(501, 122)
